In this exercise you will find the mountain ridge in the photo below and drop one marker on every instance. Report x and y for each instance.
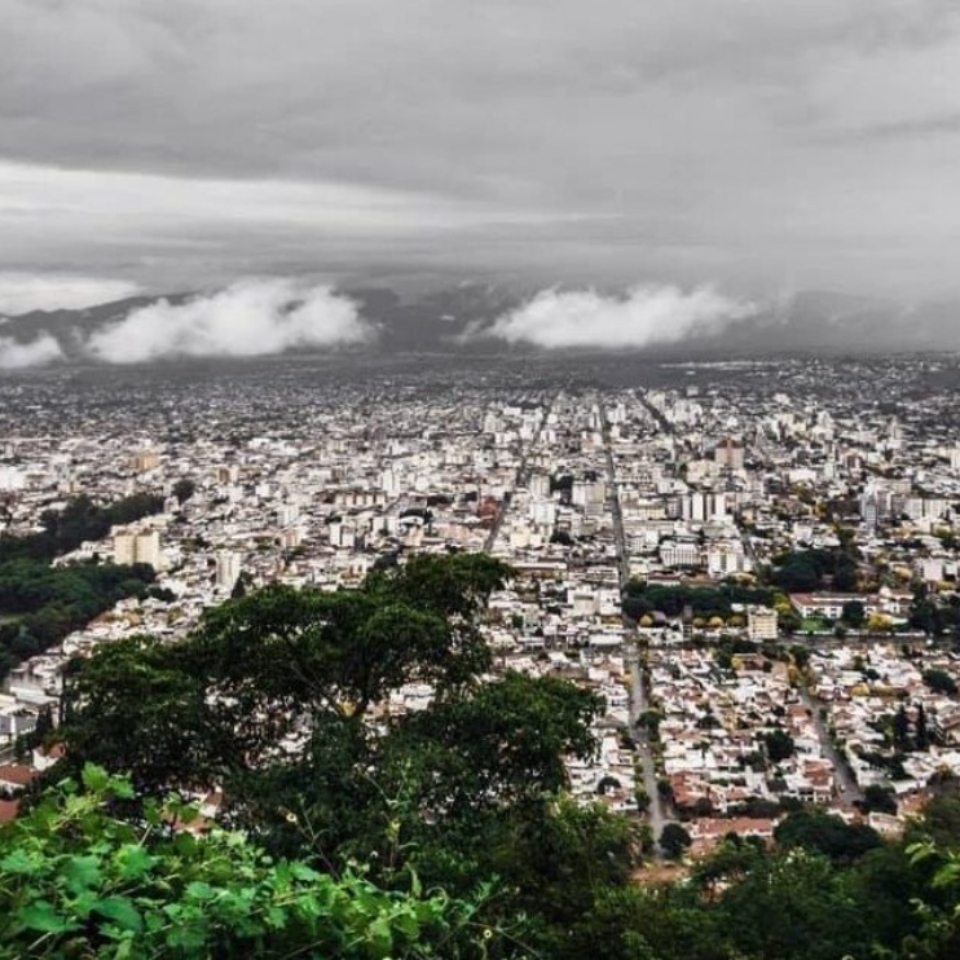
(460, 318)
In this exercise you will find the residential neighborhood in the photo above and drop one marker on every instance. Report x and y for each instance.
(754, 566)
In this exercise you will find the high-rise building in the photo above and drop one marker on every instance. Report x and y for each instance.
(125, 549)
(679, 553)
(148, 549)
(228, 569)
(726, 558)
(728, 453)
(130, 548)
(291, 537)
(539, 486)
(143, 460)
(701, 506)
(870, 511)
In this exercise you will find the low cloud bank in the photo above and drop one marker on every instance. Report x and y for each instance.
(16, 356)
(645, 315)
(25, 292)
(250, 318)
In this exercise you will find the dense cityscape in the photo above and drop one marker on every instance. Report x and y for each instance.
(753, 563)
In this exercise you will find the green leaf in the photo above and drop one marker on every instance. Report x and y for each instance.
(185, 843)
(427, 911)
(95, 778)
(124, 949)
(408, 925)
(18, 862)
(947, 875)
(122, 788)
(301, 871)
(189, 937)
(416, 887)
(82, 904)
(43, 917)
(133, 861)
(379, 938)
(122, 911)
(81, 873)
(198, 890)
(68, 786)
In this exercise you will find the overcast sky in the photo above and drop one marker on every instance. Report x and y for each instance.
(755, 145)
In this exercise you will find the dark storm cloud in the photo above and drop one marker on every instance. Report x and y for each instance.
(677, 139)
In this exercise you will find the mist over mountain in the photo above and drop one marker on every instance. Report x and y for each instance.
(813, 321)
(254, 318)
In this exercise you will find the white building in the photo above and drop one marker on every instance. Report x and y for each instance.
(130, 548)
(679, 553)
(727, 558)
(228, 569)
(761, 623)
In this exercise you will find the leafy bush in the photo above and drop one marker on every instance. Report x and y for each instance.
(80, 882)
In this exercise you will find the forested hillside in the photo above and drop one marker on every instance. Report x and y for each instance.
(40, 604)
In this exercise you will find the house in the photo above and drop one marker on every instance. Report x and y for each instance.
(15, 777)
(707, 832)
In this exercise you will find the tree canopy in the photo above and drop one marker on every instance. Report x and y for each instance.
(81, 882)
(42, 604)
(281, 699)
(803, 571)
(80, 520)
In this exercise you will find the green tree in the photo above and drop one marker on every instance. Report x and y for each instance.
(900, 728)
(563, 862)
(824, 833)
(940, 681)
(731, 861)
(53, 601)
(940, 821)
(779, 745)
(921, 733)
(800, 655)
(503, 743)
(879, 798)
(938, 900)
(845, 576)
(277, 663)
(797, 575)
(651, 720)
(794, 907)
(674, 840)
(136, 707)
(854, 614)
(886, 887)
(460, 791)
(184, 489)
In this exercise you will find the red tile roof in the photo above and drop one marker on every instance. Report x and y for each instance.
(17, 773)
